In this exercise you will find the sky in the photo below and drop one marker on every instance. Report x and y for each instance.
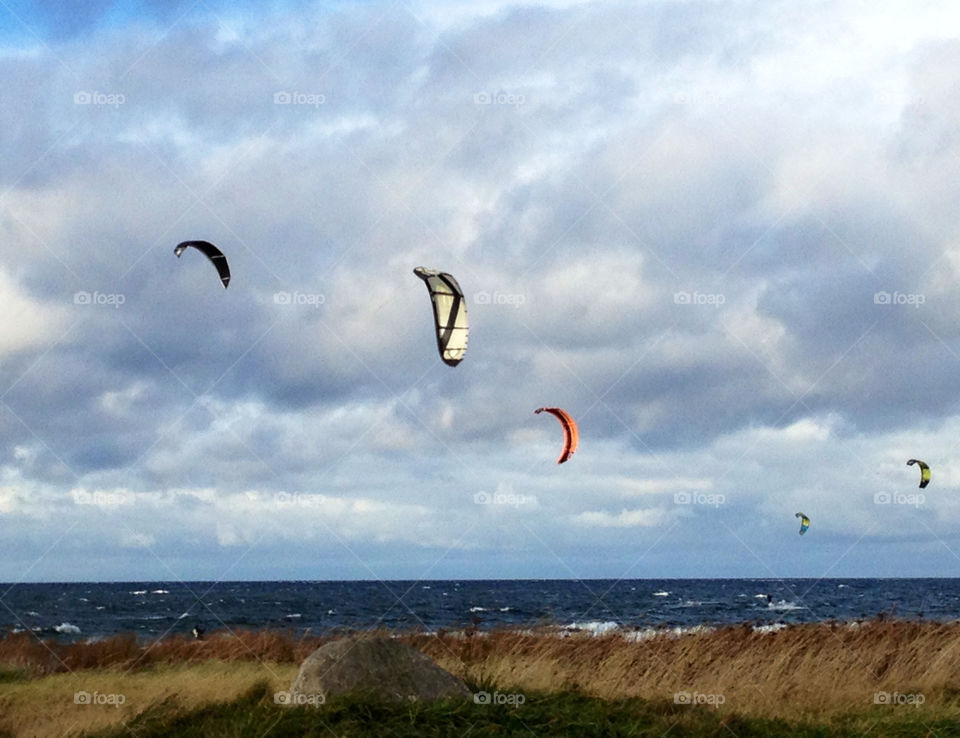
(723, 236)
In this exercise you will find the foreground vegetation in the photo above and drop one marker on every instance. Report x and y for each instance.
(171, 701)
(564, 714)
(815, 680)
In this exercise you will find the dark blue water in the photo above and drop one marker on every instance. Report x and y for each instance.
(84, 611)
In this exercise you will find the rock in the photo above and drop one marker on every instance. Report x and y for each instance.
(379, 666)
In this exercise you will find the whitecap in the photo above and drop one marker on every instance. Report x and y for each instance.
(675, 632)
(769, 628)
(67, 628)
(594, 627)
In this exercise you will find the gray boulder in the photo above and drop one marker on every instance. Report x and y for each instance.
(379, 666)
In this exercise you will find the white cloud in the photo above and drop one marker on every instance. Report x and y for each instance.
(29, 323)
(625, 519)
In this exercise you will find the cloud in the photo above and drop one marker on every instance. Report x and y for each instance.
(682, 221)
(625, 519)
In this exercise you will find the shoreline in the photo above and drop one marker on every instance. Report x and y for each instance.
(69, 634)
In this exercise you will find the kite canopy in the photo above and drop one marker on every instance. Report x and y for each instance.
(211, 252)
(924, 472)
(804, 522)
(449, 314)
(571, 434)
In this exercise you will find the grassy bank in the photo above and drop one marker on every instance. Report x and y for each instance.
(48, 706)
(802, 672)
(199, 701)
(804, 680)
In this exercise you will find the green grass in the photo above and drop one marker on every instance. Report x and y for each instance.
(10, 674)
(564, 714)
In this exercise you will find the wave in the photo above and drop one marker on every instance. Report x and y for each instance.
(594, 627)
(644, 634)
(769, 628)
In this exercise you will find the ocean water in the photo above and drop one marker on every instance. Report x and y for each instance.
(90, 611)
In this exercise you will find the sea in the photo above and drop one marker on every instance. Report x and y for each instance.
(635, 608)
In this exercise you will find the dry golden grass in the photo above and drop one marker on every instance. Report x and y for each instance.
(45, 706)
(799, 672)
(123, 652)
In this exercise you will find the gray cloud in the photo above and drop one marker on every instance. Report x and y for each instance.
(674, 221)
